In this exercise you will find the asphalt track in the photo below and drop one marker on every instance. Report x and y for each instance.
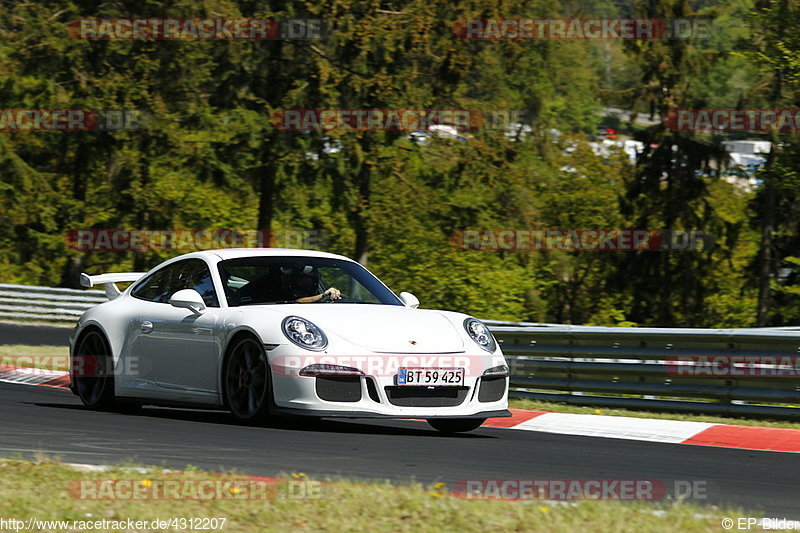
(40, 419)
(33, 335)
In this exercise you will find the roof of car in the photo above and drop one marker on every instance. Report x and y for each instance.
(232, 253)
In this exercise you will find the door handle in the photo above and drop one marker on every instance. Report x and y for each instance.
(147, 326)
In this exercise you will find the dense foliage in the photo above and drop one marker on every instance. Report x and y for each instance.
(210, 156)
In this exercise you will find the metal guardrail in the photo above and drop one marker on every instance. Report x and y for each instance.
(588, 365)
(28, 302)
(680, 369)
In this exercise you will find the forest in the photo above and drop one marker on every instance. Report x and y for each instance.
(212, 149)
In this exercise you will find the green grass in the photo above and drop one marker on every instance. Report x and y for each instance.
(40, 489)
(535, 405)
(39, 322)
(48, 357)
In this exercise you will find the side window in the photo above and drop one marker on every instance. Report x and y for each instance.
(155, 287)
(194, 274)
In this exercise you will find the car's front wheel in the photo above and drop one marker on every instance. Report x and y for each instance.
(455, 425)
(247, 381)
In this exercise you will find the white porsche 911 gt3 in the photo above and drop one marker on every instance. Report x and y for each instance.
(276, 331)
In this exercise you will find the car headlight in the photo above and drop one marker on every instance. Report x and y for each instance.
(480, 334)
(304, 333)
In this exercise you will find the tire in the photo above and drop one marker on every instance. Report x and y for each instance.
(247, 382)
(93, 372)
(455, 425)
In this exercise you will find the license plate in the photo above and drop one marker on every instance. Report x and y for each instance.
(430, 377)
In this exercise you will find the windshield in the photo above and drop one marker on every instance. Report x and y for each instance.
(277, 280)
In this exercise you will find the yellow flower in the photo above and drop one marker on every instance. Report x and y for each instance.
(544, 509)
(597, 411)
(440, 485)
(146, 483)
(234, 490)
(436, 495)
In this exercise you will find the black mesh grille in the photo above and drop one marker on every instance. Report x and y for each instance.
(339, 389)
(492, 389)
(426, 397)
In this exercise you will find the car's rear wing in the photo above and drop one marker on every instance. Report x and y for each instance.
(109, 280)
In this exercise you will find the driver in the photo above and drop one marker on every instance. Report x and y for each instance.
(302, 284)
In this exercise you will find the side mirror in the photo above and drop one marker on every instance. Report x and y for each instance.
(409, 300)
(188, 299)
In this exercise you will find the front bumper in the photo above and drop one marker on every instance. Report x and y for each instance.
(379, 396)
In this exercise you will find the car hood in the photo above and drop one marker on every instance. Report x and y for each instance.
(383, 328)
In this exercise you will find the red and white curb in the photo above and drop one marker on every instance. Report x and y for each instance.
(653, 430)
(57, 379)
(614, 427)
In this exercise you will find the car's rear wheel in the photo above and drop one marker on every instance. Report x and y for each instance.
(247, 381)
(455, 425)
(92, 371)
